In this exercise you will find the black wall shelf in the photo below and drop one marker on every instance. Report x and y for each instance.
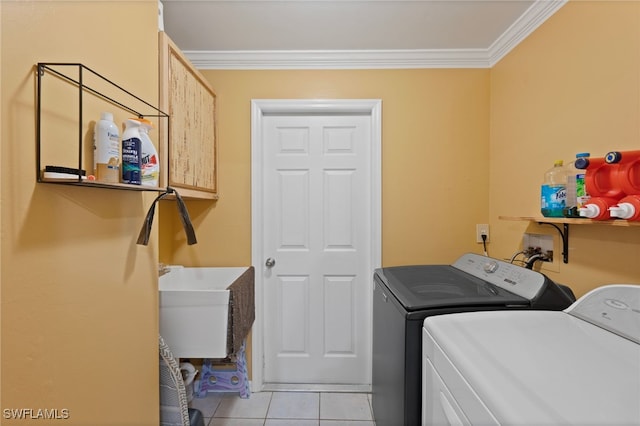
(76, 75)
(565, 222)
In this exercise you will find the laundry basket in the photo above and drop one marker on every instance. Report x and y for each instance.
(188, 376)
(174, 406)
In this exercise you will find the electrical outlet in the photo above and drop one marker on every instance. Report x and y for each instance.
(482, 229)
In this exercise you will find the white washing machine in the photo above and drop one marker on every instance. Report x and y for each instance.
(580, 366)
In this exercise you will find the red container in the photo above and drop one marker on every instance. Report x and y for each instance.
(602, 180)
(628, 208)
(628, 175)
(598, 208)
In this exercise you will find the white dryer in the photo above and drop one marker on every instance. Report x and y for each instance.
(580, 366)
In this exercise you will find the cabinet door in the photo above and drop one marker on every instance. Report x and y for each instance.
(189, 141)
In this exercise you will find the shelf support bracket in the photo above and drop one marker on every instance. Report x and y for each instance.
(564, 235)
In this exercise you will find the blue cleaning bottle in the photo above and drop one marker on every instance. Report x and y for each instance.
(131, 153)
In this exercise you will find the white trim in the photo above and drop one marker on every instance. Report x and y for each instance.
(339, 59)
(296, 387)
(533, 17)
(537, 13)
(260, 107)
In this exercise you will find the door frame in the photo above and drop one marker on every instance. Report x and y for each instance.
(262, 107)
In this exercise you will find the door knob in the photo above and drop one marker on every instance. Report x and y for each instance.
(270, 263)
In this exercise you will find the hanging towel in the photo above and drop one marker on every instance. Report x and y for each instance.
(241, 310)
(145, 232)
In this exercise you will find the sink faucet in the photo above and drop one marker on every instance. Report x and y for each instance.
(163, 269)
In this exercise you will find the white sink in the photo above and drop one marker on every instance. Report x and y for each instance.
(194, 310)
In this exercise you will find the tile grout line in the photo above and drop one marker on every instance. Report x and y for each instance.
(319, 418)
(266, 415)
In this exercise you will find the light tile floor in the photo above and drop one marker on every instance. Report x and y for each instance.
(286, 409)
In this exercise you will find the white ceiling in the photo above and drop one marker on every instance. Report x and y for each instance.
(247, 34)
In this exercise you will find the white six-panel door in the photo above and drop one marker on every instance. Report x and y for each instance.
(317, 249)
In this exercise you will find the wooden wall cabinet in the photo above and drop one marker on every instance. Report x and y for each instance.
(188, 141)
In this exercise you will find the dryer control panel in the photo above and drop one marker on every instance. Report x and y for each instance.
(614, 307)
(513, 278)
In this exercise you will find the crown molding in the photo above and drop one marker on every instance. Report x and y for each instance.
(539, 12)
(338, 59)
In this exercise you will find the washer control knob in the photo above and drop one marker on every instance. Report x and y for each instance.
(491, 267)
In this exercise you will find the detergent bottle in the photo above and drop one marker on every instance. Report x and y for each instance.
(131, 152)
(149, 162)
(628, 175)
(601, 183)
(576, 191)
(627, 208)
(628, 180)
(106, 145)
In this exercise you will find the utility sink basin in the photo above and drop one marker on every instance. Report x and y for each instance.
(194, 310)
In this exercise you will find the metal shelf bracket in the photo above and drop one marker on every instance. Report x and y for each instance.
(565, 238)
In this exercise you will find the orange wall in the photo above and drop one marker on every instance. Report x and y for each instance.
(79, 297)
(435, 129)
(572, 86)
(460, 147)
